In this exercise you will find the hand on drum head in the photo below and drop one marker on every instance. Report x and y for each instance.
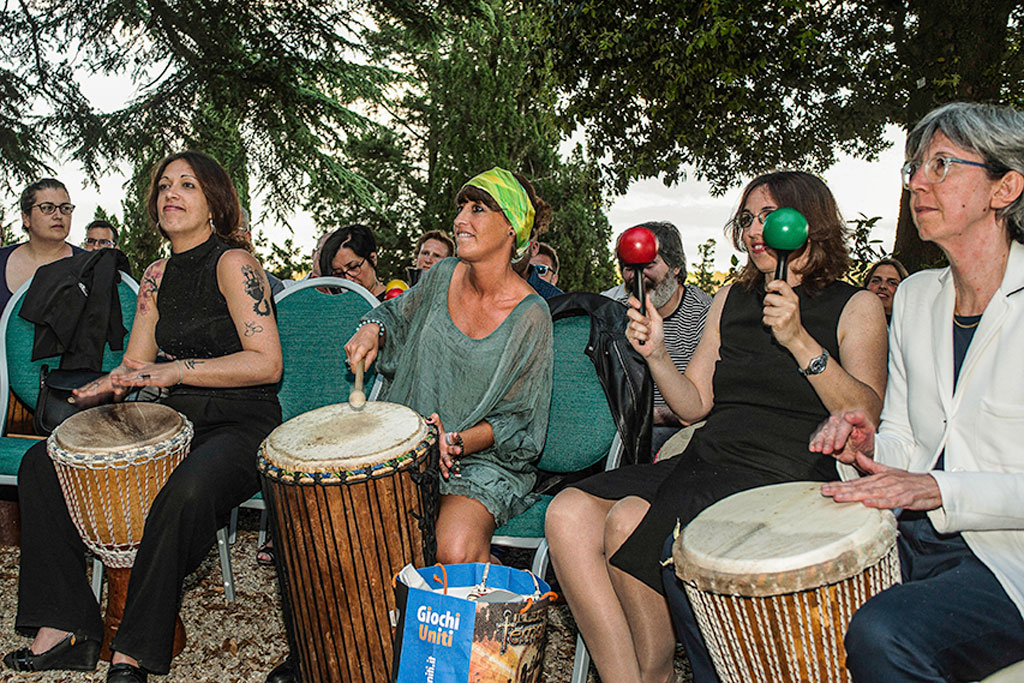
(96, 392)
(450, 452)
(889, 488)
(848, 437)
(133, 373)
(363, 345)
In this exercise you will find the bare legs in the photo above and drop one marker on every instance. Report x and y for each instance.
(464, 530)
(583, 532)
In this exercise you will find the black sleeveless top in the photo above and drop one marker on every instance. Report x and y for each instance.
(765, 410)
(194, 318)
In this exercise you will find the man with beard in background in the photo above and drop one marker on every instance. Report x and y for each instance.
(683, 307)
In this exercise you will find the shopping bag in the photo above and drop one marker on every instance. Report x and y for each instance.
(470, 623)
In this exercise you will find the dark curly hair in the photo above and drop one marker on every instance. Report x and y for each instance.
(220, 193)
(827, 256)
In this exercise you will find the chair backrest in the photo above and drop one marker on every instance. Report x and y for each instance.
(19, 372)
(314, 327)
(581, 429)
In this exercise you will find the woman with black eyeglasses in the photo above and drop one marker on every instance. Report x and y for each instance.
(351, 252)
(46, 216)
(776, 357)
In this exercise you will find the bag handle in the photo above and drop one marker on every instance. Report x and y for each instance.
(444, 572)
(529, 601)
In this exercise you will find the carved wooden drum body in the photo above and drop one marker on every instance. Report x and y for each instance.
(775, 574)
(353, 498)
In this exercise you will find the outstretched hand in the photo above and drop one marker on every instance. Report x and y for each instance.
(849, 437)
(889, 488)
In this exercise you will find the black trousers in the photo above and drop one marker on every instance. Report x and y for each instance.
(218, 474)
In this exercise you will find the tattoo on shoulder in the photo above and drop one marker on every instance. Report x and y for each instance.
(149, 286)
(191, 363)
(252, 328)
(254, 288)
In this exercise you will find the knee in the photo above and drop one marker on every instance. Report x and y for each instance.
(461, 548)
(35, 465)
(622, 521)
(875, 640)
(565, 515)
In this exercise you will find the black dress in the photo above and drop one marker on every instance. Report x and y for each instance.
(218, 474)
(756, 433)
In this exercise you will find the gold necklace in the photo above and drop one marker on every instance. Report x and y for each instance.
(966, 327)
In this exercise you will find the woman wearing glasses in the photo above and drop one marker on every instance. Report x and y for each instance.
(775, 359)
(948, 451)
(46, 217)
(351, 252)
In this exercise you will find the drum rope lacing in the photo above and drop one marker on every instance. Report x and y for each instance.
(69, 466)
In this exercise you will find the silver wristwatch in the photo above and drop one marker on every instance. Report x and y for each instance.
(816, 366)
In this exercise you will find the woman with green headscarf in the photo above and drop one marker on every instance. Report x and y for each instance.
(470, 346)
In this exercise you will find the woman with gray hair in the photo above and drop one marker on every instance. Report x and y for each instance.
(948, 450)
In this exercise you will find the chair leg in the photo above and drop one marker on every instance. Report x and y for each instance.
(262, 540)
(97, 578)
(540, 560)
(581, 662)
(233, 526)
(225, 564)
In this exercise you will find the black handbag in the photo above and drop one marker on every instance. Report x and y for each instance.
(55, 387)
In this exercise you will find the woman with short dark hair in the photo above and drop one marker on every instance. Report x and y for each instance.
(46, 218)
(351, 252)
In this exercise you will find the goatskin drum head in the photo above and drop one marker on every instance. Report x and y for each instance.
(117, 427)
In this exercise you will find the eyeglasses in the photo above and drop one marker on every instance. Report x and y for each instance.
(542, 269)
(47, 208)
(746, 219)
(95, 242)
(348, 270)
(936, 169)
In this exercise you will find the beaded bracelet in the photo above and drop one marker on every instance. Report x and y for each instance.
(379, 323)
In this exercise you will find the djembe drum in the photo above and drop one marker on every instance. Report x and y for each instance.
(775, 574)
(111, 461)
(353, 498)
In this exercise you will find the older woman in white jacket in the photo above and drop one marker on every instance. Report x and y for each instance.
(949, 453)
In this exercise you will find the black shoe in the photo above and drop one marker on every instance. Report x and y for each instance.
(285, 672)
(125, 673)
(71, 654)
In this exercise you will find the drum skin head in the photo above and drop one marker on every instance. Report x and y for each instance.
(337, 438)
(781, 539)
(117, 427)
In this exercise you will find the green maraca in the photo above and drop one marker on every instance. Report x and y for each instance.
(785, 231)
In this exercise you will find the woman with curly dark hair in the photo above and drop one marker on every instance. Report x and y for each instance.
(209, 308)
(775, 358)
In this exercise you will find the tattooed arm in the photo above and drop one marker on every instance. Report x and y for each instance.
(142, 346)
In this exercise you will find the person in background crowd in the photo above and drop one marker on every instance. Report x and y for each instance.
(351, 252)
(100, 234)
(682, 307)
(431, 248)
(545, 262)
(46, 217)
(883, 279)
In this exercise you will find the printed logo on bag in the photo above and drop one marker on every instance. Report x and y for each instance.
(522, 629)
(435, 627)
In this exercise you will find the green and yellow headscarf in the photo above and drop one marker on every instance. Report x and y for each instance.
(513, 200)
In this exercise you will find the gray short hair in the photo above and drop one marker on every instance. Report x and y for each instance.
(670, 246)
(995, 133)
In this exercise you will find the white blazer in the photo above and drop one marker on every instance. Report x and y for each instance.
(980, 425)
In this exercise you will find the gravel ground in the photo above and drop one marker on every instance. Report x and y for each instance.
(240, 642)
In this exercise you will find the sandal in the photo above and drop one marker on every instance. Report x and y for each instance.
(265, 556)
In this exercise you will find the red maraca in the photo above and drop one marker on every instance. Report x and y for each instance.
(637, 248)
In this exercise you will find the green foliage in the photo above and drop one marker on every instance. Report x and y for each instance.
(479, 93)
(285, 260)
(139, 240)
(703, 274)
(864, 251)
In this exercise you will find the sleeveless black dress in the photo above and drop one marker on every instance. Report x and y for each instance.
(756, 434)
